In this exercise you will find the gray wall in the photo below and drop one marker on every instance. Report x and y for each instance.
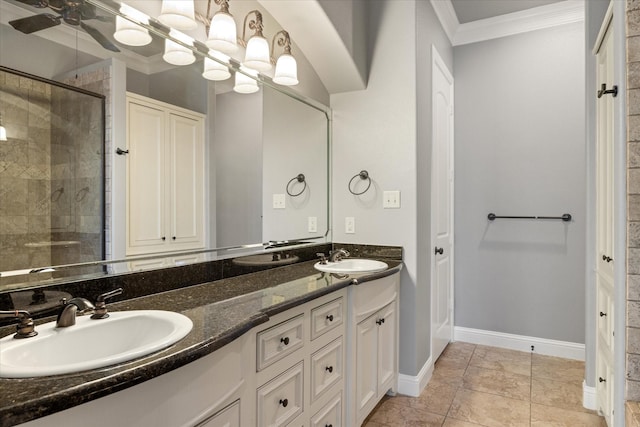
(520, 150)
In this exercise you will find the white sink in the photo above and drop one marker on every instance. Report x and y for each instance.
(352, 266)
(91, 344)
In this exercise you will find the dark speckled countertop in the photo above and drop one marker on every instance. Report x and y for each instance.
(221, 311)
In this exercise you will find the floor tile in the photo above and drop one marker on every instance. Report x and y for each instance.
(448, 374)
(457, 353)
(558, 369)
(373, 424)
(559, 394)
(394, 414)
(436, 398)
(516, 362)
(502, 383)
(450, 422)
(546, 416)
(489, 410)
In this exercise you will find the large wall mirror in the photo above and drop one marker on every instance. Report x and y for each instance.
(265, 179)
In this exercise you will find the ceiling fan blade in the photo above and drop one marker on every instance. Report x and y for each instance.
(35, 3)
(99, 37)
(31, 24)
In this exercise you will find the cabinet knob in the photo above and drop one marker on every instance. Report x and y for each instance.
(330, 318)
(285, 341)
(284, 402)
(602, 314)
(380, 321)
(328, 425)
(174, 237)
(607, 258)
(601, 380)
(329, 368)
(439, 251)
(164, 238)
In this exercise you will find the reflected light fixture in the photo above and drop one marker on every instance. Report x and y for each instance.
(128, 32)
(178, 14)
(257, 53)
(286, 72)
(221, 29)
(177, 54)
(244, 83)
(3, 131)
(213, 70)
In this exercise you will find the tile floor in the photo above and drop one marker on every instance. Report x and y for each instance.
(474, 385)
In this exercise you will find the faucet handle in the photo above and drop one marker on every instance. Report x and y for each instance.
(323, 258)
(25, 328)
(100, 311)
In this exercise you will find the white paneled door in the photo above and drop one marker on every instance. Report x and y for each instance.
(441, 206)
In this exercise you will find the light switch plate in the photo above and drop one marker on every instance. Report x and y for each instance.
(278, 201)
(312, 224)
(350, 225)
(391, 200)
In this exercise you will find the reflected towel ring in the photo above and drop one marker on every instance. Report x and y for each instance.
(363, 175)
(299, 178)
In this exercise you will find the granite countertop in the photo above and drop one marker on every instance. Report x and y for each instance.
(221, 311)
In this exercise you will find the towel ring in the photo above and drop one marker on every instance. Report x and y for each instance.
(299, 178)
(363, 175)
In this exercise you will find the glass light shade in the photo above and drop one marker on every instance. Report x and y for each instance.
(178, 14)
(245, 84)
(3, 133)
(177, 54)
(286, 72)
(257, 54)
(130, 33)
(214, 70)
(222, 33)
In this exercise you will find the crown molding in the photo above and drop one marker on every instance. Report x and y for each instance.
(447, 16)
(537, 18)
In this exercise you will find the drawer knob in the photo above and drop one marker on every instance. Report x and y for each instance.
(329, 368)
(602, 314)
(380, 321)
(601, 380)
(330, 317)
(285, 341)
(164, 238)
(284, 402)
(328, 425)
(607, 258)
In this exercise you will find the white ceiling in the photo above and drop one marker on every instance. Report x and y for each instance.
(473, 10)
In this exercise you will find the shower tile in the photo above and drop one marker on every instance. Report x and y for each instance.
(633, 261)
(633, 156)
(14, 224)
(633, 234)
(489, 410)
(633, 207)
(634, 181)
(633, 367)
(633, 49)
(633, 23)
(633, 340)
(39, 224)
(633, 101)
(633, 130)
(633, 390)
(516, 362)
(501, 383)
(13, 196)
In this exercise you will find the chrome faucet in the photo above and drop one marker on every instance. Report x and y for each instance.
(72, 308)
(338, 254)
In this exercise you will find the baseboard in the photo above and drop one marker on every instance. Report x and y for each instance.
(589, 397)
(567, 350)
(413, 386)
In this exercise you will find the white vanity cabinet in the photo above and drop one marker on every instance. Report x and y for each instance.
(165, 177)
(373, 345)
(299, 365)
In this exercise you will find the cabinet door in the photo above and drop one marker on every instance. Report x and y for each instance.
(146, 195)
(386, 320)
(228, 417)
(366, 366)
(186, 158)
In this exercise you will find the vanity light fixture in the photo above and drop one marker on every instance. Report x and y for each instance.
(244, 83)
(3, 131)
(221, 28)
(214, 70)
(257, 53)
(178, 14)
(286, 72)
(128, 32)
(177, 54)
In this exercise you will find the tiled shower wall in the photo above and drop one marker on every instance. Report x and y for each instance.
(50, 174)
(633, 200)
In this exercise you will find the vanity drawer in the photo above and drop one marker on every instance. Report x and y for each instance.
(326, 317)
(278, 341)
(326, 368)
(330, 415)
(281, 399)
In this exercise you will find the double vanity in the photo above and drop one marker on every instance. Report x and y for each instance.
(292, 345)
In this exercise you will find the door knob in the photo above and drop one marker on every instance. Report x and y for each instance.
(607, 258)
(439, 251)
